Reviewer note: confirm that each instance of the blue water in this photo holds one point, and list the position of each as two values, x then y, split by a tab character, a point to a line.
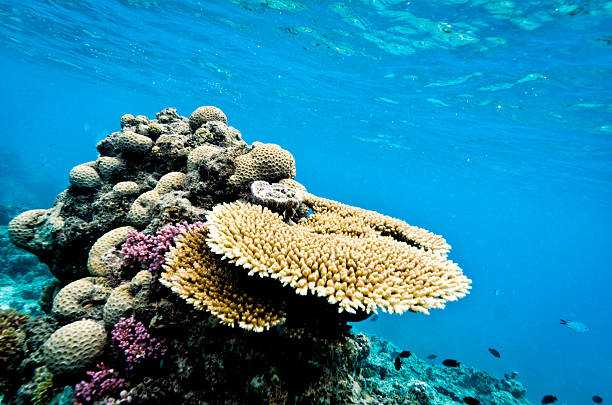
489	122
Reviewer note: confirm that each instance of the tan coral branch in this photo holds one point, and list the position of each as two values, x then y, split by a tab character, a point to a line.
367	271
194	273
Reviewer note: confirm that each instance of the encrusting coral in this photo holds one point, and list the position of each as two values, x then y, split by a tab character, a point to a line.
177	243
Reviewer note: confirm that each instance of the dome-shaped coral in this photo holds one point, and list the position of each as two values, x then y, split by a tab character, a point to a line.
74	347
266	161
84	177
205	114
83	297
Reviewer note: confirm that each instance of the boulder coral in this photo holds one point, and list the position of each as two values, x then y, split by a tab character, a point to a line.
81	298
74	347
266	161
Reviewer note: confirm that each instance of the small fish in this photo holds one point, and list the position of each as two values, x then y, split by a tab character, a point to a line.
496	291
451	363
471	401
374	318
432	356
405	354
494	352
575	325
597	399
549	399
398	363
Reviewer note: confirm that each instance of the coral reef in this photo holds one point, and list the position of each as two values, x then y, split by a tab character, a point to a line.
193	269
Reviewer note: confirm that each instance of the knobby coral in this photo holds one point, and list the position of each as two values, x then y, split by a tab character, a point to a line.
104	382
148	250
132	337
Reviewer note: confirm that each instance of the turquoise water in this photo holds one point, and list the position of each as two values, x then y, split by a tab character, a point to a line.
489	122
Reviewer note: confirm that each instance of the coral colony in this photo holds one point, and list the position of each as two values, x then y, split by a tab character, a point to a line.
194	269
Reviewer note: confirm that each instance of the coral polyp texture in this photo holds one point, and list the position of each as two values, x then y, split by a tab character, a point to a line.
349	264
74	347
193	272
192	268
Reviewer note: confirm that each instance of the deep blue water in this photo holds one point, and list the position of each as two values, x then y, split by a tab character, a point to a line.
489	122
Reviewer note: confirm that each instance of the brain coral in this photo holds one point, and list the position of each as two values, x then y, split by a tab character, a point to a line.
126	188
84	176
80	298
74	347
356	269
266	161
132	143
205	114
140	211
22	228
170	182
201	153
108	241
194	273
126	297
34	230
107	166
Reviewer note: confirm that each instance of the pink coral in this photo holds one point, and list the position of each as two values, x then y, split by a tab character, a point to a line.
104	382
147	250
132	337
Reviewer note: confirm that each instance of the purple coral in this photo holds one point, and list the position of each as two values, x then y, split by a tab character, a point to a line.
132	337
148	250
104	382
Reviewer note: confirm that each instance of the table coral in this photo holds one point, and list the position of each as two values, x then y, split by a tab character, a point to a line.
355	269
194	273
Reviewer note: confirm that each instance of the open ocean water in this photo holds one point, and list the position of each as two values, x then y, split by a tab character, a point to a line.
489	122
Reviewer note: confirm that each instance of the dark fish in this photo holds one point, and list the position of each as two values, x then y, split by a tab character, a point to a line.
405	354
597	399
494	352
451	363
398	363
431	356
374	318
471	401
549	399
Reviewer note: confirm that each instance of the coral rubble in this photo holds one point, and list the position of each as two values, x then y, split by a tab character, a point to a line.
194	269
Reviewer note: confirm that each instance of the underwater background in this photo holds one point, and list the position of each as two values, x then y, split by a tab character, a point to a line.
489	122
